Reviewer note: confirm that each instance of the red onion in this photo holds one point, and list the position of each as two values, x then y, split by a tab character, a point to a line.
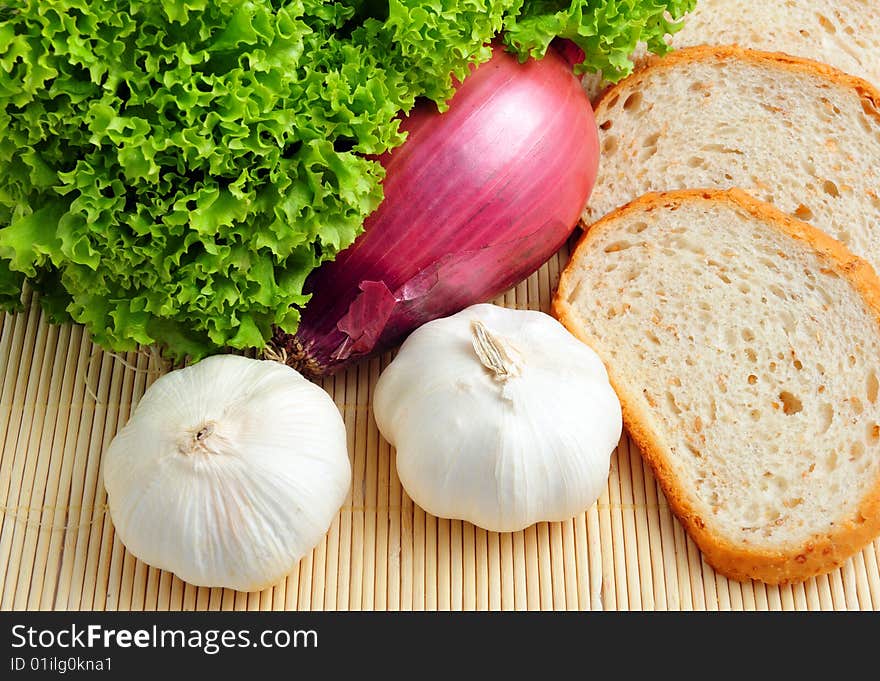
476	200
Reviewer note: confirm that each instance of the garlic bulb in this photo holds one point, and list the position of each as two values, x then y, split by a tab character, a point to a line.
228	472
500	417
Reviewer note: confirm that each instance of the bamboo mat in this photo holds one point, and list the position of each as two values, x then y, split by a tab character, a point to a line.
62	399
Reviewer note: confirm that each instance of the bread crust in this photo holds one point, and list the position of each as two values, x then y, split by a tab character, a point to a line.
720	53
821	552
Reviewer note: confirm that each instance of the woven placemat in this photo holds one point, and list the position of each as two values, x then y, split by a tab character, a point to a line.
62	399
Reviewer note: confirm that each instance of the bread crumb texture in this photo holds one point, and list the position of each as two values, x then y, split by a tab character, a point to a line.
842	33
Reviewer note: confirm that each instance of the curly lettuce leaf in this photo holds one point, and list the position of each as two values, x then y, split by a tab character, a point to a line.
182	165
607	31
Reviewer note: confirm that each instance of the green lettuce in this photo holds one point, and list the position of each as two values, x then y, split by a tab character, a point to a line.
172	170
606	30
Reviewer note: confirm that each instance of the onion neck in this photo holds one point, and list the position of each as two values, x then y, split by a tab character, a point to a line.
495	353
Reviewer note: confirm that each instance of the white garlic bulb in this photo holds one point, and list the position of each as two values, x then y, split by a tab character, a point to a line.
500	417
228	472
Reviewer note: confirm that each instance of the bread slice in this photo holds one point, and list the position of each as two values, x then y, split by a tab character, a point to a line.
792	132
842	33
744	346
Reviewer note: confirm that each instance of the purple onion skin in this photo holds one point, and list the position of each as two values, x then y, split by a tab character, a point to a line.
476	199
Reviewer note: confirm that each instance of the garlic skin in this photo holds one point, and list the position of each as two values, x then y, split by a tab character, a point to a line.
500	417
228	472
